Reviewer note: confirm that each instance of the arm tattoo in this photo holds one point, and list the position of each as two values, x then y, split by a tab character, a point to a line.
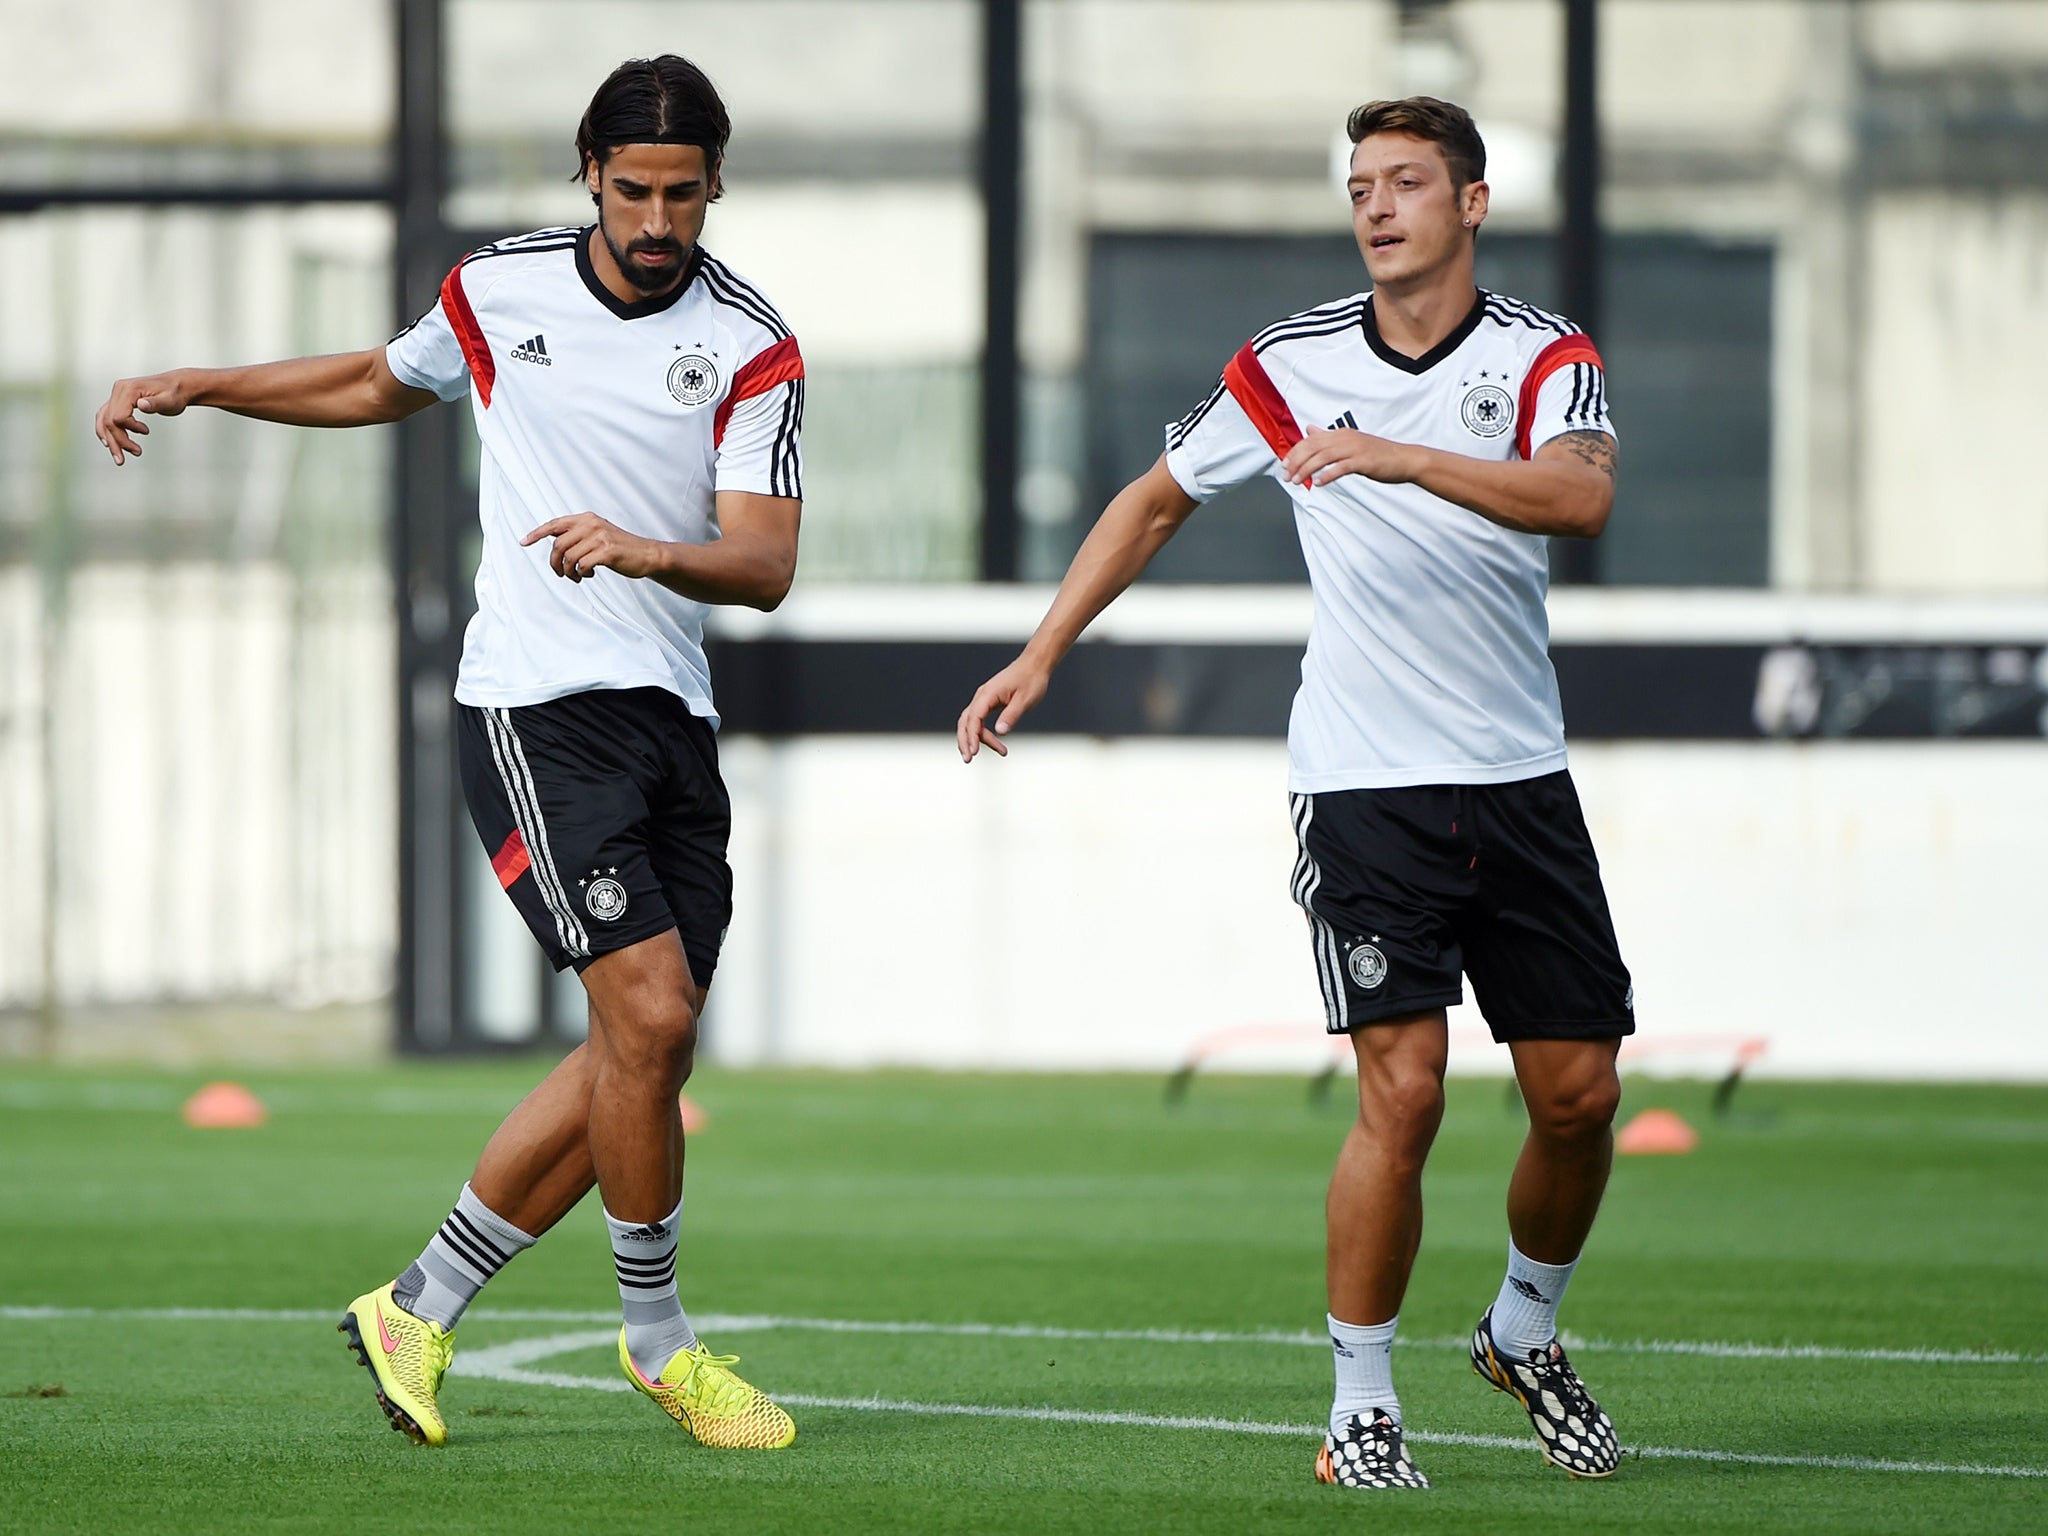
1596	448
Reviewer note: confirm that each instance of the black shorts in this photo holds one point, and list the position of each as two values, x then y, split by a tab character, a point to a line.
605	819
1405	888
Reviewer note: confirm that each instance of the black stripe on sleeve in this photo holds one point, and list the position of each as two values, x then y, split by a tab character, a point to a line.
1510	310
741	285
1337	316
729	290
1327	325
778	450
792	447
535	249
1177	434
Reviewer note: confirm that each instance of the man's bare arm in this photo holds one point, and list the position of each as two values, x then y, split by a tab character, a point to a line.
1567	490
343	389
752	563
1132	529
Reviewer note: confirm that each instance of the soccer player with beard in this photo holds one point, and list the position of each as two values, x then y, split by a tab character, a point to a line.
1432	437
638	406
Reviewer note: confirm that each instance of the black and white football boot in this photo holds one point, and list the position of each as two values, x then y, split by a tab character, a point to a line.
1368	1455
1572	1430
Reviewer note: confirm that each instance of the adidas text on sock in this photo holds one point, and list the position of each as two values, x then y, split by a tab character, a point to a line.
644	1257
1363	1353
1525	1312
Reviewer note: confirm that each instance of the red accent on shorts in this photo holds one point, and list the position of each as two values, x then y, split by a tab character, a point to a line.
1561	353
512	860
475	350
1246	379
779	364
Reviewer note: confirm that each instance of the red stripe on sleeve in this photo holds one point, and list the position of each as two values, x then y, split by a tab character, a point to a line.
1249	385
779	364
1561	353
512	860
475	350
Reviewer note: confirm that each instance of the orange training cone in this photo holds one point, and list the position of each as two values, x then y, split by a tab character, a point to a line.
694	1118
1656	1130
225	1105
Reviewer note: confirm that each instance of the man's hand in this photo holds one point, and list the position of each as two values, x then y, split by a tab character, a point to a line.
119	422
1014	690
586	542
1324	455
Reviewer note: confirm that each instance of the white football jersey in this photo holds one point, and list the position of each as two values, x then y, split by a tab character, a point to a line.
640	412
1428	654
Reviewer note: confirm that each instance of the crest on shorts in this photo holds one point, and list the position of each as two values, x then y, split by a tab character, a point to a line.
604	896
693	378
1368	967
1488	410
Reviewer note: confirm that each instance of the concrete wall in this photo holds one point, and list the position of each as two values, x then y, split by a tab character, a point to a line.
196	801
1869	910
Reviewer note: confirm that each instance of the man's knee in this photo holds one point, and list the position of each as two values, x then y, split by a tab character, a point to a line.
1578	1108
1401	1109
659	1035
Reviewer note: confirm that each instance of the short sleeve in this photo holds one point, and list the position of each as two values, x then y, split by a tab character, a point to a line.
1566	391
427	355
758	429
1216	446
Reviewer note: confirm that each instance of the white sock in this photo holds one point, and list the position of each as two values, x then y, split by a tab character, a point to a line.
644	1255
1365	1371
474	1243
1525	1312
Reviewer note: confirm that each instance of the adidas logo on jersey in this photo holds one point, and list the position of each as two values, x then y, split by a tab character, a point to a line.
534	351
1346	421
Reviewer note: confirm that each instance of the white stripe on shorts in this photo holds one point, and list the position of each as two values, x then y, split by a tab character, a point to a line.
525	797
1308	875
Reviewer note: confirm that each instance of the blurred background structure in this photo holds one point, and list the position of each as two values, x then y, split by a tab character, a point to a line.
1806	671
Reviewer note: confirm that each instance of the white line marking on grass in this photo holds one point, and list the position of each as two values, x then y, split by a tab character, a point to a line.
1737	1351
748	1322
511	1362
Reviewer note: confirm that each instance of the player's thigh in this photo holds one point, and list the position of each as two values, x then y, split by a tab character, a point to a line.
1377	871
563	817
1540	944
689	828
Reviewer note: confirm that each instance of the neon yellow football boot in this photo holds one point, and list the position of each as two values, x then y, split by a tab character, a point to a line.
699	1391
406	1357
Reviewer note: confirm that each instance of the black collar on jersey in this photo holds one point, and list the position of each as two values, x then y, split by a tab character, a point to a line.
632	309
1371	326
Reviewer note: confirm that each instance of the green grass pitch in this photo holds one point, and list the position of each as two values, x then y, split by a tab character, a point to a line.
1850	1223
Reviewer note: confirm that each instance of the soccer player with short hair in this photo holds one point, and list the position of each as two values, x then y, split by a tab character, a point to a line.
638	405
1432	438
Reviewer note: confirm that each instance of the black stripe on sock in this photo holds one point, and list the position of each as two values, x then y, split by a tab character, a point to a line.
658	1266
484	1241
461	1247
